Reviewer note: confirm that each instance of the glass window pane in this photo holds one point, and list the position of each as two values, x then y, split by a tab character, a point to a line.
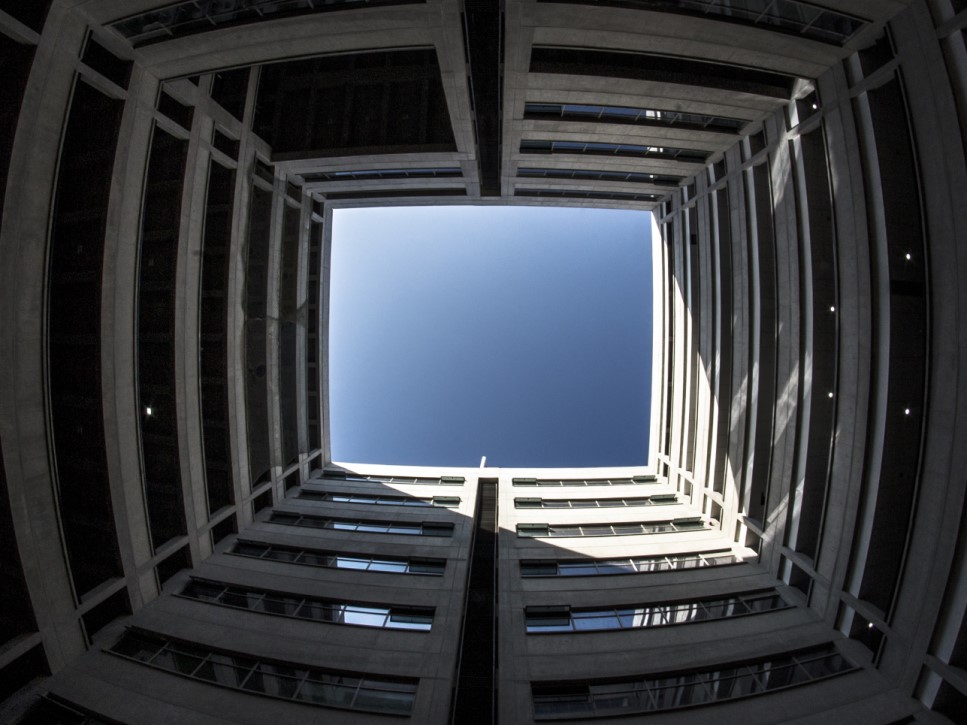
270	684
346	562
588	621
765	604
437	530
420	622
532	568
578	569
615	567
185	664
242	599
560	623
221	674
392	702
627	529
327	694
280	604
365	616
280	554
246	549
310	558
777	677
548	504
417	566
137	647
388	566
318	611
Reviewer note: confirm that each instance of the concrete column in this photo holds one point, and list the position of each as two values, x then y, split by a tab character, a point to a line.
325	286
272	334
238	429
305	229
188	276
119	339
786	423
740	322
680	372
23	267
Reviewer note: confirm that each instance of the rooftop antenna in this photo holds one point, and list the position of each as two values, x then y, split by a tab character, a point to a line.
483	461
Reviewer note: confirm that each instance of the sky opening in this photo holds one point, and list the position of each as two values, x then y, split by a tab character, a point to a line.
523	334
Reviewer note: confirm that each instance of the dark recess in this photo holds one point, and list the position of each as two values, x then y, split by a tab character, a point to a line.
31	13
98	58
900	465
74	336
160	224
474	694
312	339
255	301
98	617
213	336
483	25
166	569
28	666
291	317
362	103
663	69
229	88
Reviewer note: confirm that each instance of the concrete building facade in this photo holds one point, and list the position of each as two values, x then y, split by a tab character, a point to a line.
180	546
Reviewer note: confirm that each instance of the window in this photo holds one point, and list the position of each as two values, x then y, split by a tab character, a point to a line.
618	176
585	482
661	499
793	17
367	526
272	678
338	560
189	17
634	565
441	481
312	608
543	620
375	174
622	114
650	693
378	499
611	149
630	528
575	194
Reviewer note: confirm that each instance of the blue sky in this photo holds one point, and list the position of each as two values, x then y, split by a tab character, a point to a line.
518	333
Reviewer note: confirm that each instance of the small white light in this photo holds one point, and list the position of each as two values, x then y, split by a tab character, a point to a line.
830	394
909	256
815	106
906	411
147	411
832	308
870	625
